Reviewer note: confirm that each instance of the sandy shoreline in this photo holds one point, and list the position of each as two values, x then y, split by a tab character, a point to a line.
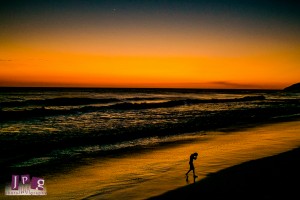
217	152
266	178
158	169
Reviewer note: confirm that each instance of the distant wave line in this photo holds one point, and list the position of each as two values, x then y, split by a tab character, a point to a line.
43	112
66	101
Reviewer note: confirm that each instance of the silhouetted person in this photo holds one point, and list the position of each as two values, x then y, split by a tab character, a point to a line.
192	158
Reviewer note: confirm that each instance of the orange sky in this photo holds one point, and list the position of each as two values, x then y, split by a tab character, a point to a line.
150	53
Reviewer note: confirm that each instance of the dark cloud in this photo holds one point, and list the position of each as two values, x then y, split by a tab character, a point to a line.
233	85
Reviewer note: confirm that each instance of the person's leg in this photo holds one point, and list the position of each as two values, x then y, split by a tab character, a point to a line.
194	173
188	172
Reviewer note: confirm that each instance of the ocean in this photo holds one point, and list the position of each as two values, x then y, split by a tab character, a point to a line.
42	125
92	143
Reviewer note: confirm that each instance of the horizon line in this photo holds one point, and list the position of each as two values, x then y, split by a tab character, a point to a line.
83	87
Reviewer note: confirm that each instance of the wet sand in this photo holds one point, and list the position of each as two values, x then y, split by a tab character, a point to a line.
157	169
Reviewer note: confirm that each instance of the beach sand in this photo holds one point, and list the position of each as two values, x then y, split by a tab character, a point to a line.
154	170
274	177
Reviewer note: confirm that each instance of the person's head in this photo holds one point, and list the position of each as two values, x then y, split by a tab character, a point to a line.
195	154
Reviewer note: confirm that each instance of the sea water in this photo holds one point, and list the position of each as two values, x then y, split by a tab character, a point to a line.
40	125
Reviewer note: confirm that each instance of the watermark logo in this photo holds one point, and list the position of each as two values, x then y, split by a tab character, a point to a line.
22	185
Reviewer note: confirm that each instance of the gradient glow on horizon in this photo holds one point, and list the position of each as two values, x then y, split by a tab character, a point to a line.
182	44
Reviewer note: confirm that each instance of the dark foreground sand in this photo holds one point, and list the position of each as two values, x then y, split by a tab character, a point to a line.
275	177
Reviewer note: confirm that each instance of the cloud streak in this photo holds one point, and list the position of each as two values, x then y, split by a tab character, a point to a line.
227	84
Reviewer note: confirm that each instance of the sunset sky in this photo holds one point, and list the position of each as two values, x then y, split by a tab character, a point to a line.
181	44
